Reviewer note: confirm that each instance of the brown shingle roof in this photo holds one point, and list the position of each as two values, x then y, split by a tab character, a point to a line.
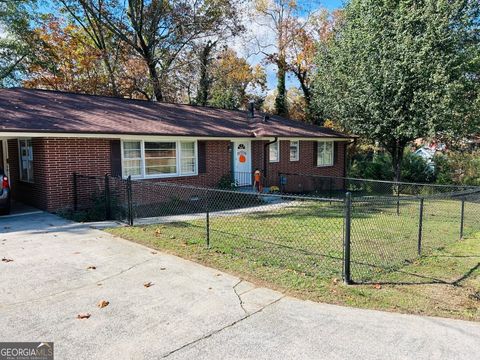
28	110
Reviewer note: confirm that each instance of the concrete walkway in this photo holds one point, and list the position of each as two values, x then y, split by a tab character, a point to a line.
189	312
214	214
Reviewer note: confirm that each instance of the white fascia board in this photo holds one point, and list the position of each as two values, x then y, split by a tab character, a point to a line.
12	135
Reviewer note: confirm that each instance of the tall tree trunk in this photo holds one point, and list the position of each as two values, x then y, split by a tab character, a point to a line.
281	99
157	88
204	83
111	75
307	95
397	156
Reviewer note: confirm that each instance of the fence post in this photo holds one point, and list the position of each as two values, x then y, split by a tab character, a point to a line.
108	205
207	213
398	199
330	189
347	238
420	228
129	201
75	194
462	219
282	180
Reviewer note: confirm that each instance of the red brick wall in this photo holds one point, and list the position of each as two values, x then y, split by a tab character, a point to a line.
305	165
56	159
218	164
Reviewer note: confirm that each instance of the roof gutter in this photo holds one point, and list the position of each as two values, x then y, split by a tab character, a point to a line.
265	160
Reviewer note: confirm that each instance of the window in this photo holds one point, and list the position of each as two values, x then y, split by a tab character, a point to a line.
132	158
188	158
325	153
159	158
294	150
274	152
26	159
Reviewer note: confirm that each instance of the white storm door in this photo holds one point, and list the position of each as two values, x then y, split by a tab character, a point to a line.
242	162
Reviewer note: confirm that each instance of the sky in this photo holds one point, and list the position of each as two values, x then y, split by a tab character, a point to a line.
256	59
271	69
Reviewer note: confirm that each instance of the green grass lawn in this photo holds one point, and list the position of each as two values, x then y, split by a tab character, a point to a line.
298	249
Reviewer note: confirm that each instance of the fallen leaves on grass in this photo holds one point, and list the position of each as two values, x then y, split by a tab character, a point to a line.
6	260
83	315
148	284
103	303
335	281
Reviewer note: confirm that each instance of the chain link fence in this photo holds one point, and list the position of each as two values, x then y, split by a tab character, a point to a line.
361	237
335	186
97	198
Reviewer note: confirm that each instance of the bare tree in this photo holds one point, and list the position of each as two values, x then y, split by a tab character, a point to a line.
103	39
307	35
158	30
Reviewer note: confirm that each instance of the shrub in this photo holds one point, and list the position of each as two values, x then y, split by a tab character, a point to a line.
416	169
225	183
274	189
370	166
462	168
379	167
96	211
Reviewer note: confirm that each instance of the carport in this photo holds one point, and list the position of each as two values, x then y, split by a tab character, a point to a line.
18	207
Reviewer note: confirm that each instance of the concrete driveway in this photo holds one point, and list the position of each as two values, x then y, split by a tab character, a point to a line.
189	312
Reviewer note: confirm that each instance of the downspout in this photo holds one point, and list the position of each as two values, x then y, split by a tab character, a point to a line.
265	148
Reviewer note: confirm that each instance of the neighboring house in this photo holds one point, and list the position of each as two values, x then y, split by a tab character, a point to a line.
47	136
426	153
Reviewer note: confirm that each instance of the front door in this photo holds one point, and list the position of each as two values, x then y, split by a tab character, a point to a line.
242	162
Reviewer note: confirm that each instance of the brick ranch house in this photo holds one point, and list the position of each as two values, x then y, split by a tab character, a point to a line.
46	136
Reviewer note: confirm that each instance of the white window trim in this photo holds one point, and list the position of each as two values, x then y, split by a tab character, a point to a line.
178	173
298	150
277	144
333	152
32	181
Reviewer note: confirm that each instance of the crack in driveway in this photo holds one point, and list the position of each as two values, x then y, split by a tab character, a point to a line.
78	287
210	334
239	296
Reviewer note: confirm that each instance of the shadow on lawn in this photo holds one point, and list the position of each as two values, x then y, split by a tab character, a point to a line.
245	239
426	280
